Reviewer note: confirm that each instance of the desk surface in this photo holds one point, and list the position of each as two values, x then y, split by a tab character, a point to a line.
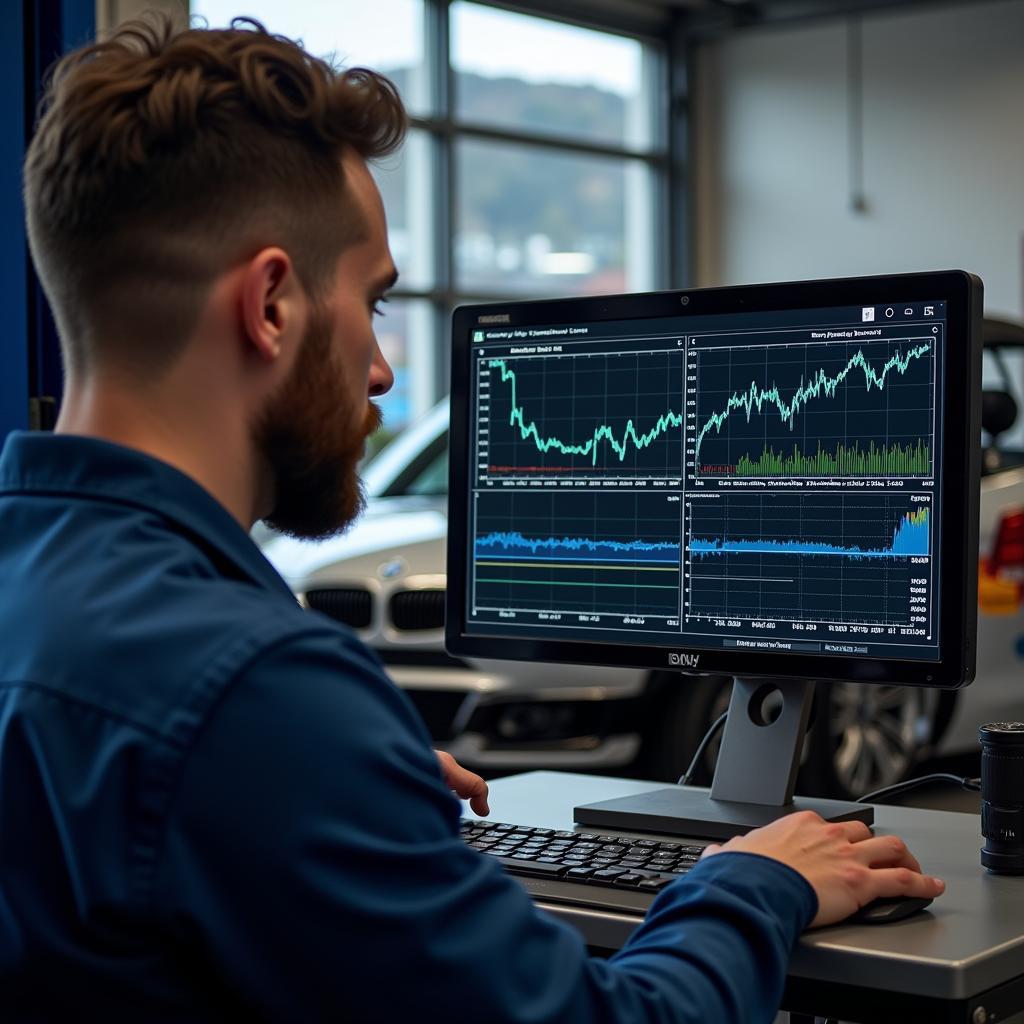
969	941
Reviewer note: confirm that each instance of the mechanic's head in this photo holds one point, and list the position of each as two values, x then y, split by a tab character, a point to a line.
175	173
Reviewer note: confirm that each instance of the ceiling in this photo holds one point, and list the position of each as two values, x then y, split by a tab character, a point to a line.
716	17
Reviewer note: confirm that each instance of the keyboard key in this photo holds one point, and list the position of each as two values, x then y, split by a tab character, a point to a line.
533	868
565	835
654	884
630	880
613	851
649	843
581	872
505	828
586	836
609	874
544	832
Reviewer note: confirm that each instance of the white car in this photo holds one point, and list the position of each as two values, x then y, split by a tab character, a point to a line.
386	580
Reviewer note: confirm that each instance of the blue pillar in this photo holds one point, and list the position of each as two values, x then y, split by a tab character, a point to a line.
13	255
34	34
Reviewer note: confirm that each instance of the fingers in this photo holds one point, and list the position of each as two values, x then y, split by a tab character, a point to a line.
710	850
885	852
464	783
478	801
903	882
855	831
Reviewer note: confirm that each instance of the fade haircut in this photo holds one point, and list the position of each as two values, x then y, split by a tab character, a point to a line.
162	158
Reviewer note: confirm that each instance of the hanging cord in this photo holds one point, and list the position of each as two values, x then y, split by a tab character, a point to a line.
684	779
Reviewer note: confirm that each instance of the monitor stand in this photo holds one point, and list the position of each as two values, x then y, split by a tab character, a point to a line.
754	778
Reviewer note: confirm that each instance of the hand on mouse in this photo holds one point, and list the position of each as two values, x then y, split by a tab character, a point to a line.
846	864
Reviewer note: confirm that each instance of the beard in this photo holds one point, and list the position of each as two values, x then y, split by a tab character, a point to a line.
311	445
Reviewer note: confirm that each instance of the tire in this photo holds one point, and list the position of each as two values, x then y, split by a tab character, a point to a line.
865	737
679	712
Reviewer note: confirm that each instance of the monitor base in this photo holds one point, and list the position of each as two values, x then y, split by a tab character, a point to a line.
687	812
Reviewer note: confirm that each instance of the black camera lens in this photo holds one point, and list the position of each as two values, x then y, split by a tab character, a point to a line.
1002	797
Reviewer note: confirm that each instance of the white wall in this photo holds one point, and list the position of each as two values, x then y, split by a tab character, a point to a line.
943	150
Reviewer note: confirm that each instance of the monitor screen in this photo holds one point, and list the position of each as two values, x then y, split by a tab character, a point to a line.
779	479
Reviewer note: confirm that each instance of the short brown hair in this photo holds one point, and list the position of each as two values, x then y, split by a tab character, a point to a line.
162	157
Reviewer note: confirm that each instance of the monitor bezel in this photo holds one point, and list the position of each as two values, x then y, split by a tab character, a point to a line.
961	291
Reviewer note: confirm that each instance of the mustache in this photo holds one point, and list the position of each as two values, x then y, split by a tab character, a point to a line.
373	420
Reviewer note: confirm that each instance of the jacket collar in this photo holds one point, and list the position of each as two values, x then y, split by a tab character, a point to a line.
88	468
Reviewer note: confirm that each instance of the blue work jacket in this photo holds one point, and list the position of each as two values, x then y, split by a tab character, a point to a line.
215	805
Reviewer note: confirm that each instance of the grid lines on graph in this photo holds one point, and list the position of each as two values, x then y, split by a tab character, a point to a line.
819	557
863	408
577	552
582	416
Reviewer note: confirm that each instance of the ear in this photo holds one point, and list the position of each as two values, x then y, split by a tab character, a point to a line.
272	302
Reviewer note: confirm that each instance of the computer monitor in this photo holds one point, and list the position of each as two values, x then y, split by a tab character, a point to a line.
778	483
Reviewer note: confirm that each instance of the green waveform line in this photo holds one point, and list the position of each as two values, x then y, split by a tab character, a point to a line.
894	460
601	433
756	398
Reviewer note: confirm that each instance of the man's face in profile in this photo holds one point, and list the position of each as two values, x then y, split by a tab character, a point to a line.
313	431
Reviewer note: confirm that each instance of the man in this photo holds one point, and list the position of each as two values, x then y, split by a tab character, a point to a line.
213	804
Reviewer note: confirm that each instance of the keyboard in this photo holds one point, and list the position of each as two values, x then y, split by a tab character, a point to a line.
607	871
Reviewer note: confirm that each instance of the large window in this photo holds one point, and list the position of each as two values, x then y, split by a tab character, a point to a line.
536	164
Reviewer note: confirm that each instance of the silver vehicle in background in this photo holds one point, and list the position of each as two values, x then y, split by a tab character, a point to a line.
386	580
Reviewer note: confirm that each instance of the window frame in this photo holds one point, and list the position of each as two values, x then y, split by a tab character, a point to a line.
443	131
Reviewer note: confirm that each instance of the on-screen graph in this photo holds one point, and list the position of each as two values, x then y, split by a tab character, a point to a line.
581	556
809	410
846	561
582	416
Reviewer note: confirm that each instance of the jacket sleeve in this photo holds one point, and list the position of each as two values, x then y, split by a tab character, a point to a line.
313	846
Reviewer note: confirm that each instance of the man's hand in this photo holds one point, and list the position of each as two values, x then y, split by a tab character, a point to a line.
464	783
845	864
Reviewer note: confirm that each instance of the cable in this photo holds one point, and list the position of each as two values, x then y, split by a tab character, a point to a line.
877	796
972	785
684	779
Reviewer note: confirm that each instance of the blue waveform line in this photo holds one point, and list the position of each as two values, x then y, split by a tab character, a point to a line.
910	538
756	398
513	545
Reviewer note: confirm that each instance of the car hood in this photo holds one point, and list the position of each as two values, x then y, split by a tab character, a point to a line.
402	526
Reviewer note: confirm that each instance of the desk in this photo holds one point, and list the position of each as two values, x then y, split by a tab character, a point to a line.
960	961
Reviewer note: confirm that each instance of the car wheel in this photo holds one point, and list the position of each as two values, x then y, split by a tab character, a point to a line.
865	737
679	712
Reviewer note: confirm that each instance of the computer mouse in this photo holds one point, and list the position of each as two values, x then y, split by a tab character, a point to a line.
889	909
